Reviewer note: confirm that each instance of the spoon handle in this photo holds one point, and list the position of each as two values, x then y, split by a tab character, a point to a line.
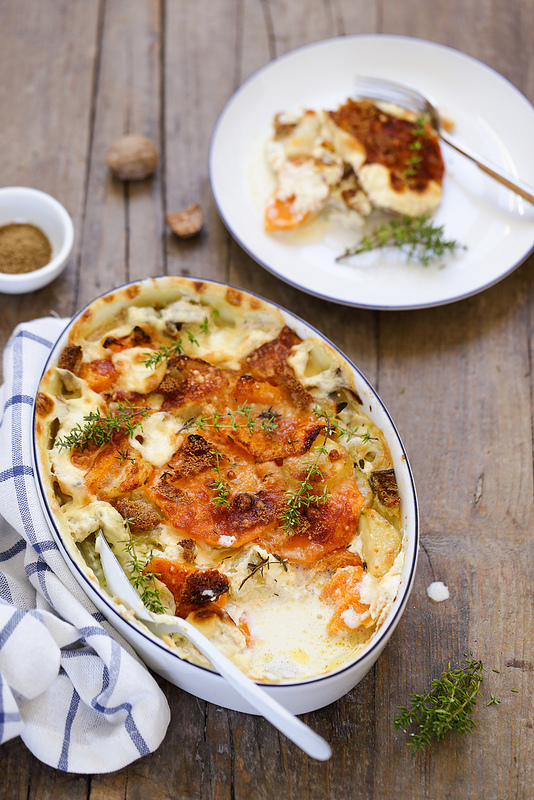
491	169
277	715
282	719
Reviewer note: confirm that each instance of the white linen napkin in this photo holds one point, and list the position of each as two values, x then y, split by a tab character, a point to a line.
70	686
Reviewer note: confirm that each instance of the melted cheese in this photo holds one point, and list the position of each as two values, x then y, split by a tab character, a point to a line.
354	159
204	480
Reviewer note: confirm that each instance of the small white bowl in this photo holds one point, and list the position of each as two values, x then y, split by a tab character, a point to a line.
21	204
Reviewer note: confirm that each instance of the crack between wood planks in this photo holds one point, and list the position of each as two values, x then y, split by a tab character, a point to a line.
239	34
92	122
232	756
379	16
479	490
427	554
202	761
337	17
269	28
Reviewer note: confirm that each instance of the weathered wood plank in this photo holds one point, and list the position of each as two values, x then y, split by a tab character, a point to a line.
46	59
123	224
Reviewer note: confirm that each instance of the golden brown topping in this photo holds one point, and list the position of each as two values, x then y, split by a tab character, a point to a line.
111	475
247	510
234	296
43	404
137	338
171	492
141	515
271	358
193	456
326	526
389	140
70	357
189	549
100	374
190	587
189	380
204	586
384	485
299	395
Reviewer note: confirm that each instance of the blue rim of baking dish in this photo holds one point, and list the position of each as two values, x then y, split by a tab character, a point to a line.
390	622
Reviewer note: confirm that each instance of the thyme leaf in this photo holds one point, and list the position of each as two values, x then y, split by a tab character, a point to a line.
98	429
304	497
342	432
447	706
419	133
222	490
417	237
142	575
230	420
163	353
259	566
157	357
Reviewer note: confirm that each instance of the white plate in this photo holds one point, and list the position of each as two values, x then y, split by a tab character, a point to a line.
491	117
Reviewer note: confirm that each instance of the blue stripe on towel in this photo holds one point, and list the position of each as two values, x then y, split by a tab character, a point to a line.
71	715
17	548
15	472
11	625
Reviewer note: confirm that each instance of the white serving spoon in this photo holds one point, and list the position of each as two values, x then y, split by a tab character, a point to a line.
299	733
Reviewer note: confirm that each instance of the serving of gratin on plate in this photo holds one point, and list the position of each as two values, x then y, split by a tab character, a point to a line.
351	160
244	473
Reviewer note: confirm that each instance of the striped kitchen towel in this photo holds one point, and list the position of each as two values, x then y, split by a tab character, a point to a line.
69	685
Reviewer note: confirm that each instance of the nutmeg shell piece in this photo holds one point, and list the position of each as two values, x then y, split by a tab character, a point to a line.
186	223
132	157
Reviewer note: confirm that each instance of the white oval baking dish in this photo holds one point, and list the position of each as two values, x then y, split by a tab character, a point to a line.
299	696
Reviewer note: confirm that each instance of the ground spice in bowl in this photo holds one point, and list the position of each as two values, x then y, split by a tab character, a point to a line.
23	248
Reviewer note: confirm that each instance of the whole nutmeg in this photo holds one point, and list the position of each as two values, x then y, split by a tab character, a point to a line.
187	222
132	157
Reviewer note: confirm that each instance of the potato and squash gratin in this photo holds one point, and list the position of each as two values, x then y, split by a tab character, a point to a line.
360	157
232	469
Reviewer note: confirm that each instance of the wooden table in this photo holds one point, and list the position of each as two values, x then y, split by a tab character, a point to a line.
456	379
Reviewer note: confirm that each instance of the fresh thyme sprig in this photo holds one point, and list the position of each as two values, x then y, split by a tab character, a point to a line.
243	417
259	566
124	455
98	429
447	706
304	496
417	237
162	354
348	432
142	576
419	133
222	490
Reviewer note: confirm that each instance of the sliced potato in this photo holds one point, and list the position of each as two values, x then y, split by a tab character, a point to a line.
380	542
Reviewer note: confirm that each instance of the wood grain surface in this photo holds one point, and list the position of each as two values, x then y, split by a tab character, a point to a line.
456	379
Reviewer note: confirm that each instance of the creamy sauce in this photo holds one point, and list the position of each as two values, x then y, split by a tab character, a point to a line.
275	621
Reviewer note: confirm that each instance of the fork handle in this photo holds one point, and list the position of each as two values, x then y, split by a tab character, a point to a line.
491	169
